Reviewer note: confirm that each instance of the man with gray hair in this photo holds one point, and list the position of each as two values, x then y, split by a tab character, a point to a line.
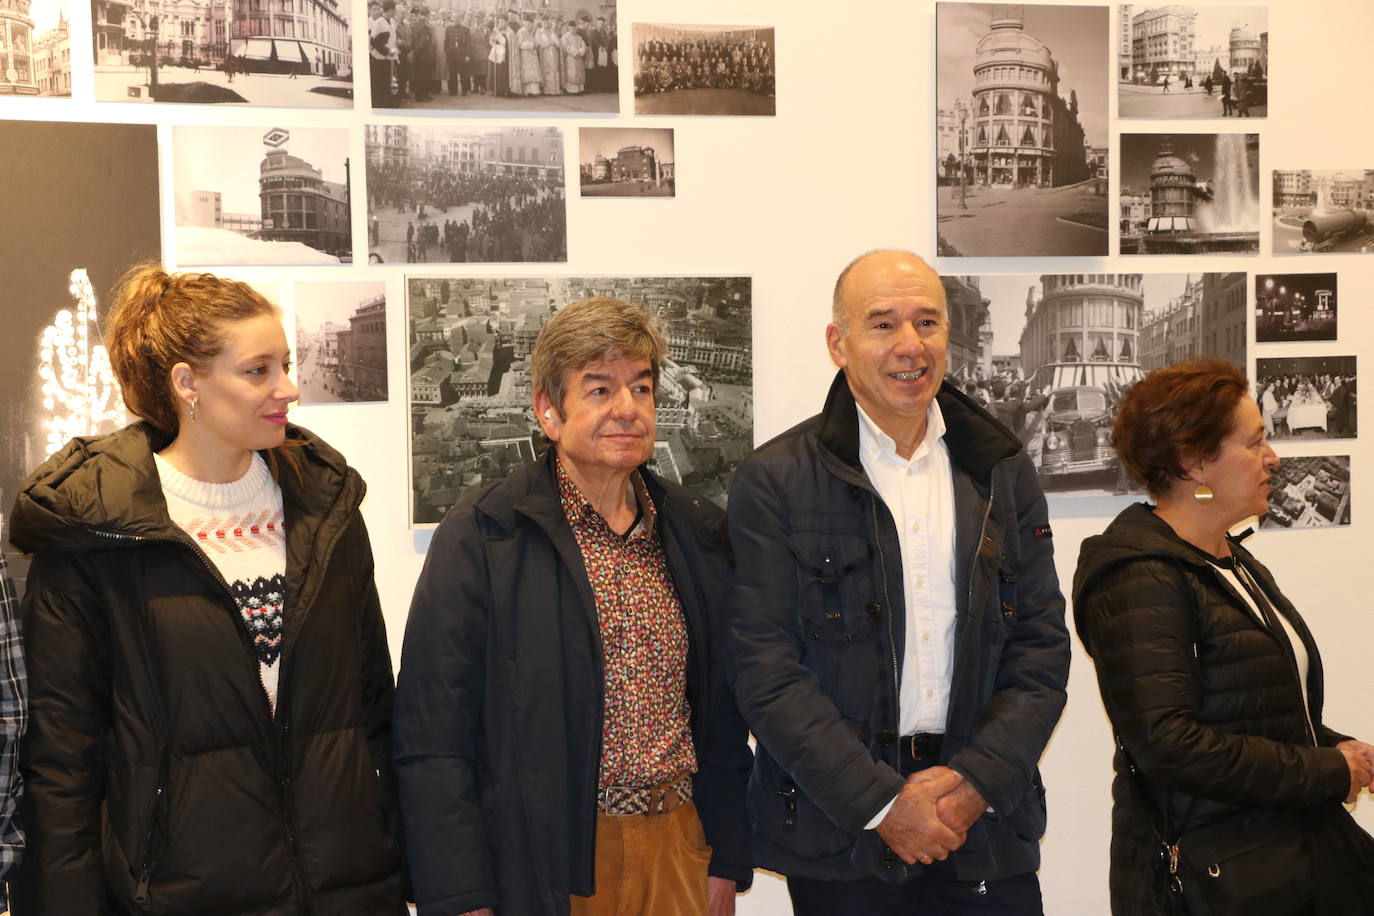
897	626
565	739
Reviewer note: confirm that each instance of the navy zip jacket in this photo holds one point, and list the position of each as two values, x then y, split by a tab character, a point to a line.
819	688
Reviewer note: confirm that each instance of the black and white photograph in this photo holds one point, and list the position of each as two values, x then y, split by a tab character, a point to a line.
1021	130
35	49
1052	355
704	69
341	341
559	55
60	264
261	195
1192	61
287	54
470	341
454	193
1309	492
626	162
1307	397
1189	193
1317	210
1295	307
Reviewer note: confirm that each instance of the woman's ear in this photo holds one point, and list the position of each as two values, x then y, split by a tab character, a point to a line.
181	380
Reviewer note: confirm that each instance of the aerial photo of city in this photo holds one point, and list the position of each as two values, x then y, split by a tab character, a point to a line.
469	341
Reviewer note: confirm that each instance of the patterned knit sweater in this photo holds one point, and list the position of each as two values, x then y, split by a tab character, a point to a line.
240	527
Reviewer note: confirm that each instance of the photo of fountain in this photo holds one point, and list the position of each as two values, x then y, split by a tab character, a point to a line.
1319	210
1189	193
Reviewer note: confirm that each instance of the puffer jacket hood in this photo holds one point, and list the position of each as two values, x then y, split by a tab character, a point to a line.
98	486
1134	535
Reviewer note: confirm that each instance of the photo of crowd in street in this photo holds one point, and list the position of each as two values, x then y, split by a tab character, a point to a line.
1295	307
464	55
704	70
470	339
254	195
457	193
35	49
340	341
1189	61
1021	130
289	54
1307	397
1052	356
626	162
1189	193
1317	210
1309	492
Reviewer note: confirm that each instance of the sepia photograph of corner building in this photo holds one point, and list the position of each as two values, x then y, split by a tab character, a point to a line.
288	53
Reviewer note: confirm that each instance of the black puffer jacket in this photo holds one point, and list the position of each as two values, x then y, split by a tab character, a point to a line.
157	780
1200	693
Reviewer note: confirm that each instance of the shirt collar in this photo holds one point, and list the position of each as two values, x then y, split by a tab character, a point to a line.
579	510
875	444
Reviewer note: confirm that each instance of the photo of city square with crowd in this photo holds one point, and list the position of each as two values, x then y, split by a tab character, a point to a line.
1052	356
704	70
1021	130
457	194
1307	397
288	54
470	339
561	55
1310	491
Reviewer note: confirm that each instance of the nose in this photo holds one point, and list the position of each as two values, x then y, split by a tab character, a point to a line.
287	390
623	404
909	342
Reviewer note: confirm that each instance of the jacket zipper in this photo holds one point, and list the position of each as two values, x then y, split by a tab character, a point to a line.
891	632
145	873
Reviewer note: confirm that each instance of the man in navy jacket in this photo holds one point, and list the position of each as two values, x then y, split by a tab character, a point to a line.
897	626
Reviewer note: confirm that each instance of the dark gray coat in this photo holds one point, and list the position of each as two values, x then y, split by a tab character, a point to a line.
819	689
499	700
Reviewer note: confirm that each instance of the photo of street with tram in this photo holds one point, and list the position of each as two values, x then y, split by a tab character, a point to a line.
1318	210
626	162
341	341
459	193
1189	193
255	195
35	49
287	54
1295	307
1307	397
1186	61
1051	356
1309	492
1021	130
470	339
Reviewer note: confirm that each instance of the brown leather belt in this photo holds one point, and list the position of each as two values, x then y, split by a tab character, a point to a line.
623	801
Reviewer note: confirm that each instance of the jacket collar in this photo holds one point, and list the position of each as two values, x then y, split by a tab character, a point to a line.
975	440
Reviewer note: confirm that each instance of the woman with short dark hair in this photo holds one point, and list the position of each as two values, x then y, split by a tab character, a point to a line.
1229	786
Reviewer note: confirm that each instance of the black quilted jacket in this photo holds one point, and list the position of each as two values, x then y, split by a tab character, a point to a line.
1200	694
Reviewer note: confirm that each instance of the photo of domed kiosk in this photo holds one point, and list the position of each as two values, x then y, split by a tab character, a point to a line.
1203	193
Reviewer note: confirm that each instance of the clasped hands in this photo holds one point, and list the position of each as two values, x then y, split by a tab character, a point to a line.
932	815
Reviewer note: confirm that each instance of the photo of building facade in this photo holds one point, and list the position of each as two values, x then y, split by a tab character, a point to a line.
341	341
1014	136
1185	61
35	48
626	162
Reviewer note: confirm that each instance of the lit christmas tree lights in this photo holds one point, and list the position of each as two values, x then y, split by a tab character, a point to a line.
78	388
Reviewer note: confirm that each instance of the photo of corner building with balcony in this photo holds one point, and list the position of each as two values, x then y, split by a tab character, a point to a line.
1051	356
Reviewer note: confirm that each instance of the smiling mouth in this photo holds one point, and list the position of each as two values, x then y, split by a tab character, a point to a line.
911	376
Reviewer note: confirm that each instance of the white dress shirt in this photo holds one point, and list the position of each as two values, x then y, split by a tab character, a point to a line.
919	493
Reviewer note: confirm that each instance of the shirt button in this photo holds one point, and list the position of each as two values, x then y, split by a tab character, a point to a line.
925	637
920	581
915	526
930	693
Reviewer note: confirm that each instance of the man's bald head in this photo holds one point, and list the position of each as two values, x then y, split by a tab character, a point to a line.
876	263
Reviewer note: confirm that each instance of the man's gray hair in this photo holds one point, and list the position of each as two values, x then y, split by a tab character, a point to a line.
590	330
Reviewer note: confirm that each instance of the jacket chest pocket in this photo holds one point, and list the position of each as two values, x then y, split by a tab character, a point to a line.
834	584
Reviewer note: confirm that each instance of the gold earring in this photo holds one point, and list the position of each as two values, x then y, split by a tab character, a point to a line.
193	411
1202	493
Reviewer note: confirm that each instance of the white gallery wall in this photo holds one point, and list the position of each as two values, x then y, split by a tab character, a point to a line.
847	165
